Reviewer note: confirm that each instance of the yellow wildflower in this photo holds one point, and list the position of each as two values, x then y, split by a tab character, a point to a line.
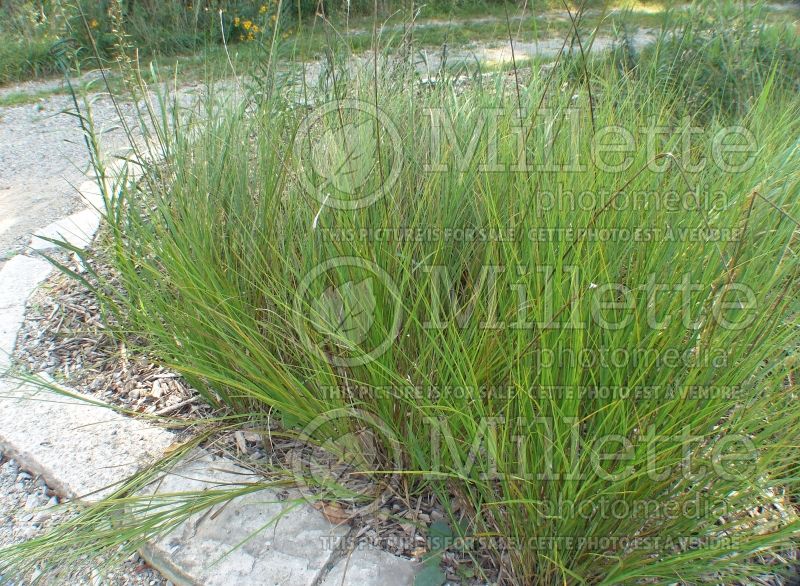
263	9
247	24
274	17
236	21
93	23
256	28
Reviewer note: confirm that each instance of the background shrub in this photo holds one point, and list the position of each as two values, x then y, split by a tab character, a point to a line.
717	58
28	30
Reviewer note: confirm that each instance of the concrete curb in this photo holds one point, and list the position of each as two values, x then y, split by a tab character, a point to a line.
82	449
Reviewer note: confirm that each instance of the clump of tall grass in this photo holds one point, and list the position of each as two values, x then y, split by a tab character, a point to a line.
568	318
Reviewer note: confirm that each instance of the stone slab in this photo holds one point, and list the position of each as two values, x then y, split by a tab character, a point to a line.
10	319
77	230
368	566
254	540
18	279
79	448
91	194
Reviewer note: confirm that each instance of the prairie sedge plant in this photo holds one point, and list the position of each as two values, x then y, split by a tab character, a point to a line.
576	328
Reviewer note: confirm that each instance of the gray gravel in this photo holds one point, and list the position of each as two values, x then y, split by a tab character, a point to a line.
28	507
42	156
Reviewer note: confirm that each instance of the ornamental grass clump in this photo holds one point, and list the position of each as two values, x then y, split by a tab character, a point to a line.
569	316
576	328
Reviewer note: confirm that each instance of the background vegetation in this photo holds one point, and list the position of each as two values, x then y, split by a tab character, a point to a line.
41	36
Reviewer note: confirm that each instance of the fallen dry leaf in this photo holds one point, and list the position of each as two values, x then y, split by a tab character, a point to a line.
333	512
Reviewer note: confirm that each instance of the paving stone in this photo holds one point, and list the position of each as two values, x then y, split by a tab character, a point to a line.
18	278
80	449
77	230
91	194
256	539
10	318
368	566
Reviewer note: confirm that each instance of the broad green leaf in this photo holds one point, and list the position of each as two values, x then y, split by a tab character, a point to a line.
440	536
431	574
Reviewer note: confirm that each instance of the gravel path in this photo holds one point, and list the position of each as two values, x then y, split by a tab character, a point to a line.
42	156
